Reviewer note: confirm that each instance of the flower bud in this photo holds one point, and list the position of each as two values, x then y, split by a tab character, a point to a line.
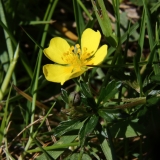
75	98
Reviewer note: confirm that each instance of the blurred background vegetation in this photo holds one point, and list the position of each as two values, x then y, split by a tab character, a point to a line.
117	116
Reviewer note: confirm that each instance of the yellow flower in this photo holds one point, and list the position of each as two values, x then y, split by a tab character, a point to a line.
72	61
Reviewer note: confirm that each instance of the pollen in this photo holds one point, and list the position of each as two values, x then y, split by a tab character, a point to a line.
76	57
77	46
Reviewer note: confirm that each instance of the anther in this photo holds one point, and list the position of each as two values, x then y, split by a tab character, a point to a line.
77	46
71	48
78	51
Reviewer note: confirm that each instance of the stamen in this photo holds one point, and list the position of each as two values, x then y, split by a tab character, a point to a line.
77	46
71	49
77	49
77	58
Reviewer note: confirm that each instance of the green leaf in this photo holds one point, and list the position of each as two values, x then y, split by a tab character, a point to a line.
151	101
23	57
156	78
89	102
87	128
142	111
109	91
137	57
79	18
152	55
64	96
58	151
86	90
104	22
46	154
109	117
9	73
87	97
67	126
85	9
106	148
76	156
155	7
3	126
152	43
117	15
124	37
137	2
125	129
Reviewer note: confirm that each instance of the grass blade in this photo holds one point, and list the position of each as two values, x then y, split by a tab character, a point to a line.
78	17
9	73
151	37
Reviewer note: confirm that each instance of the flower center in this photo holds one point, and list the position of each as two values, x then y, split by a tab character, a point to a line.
77	57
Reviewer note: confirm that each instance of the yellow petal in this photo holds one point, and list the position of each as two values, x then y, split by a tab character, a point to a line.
90	39
57	47
99	56
60	74
57	73
77	74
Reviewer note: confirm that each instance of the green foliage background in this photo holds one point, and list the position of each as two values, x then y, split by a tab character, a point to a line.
111	112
